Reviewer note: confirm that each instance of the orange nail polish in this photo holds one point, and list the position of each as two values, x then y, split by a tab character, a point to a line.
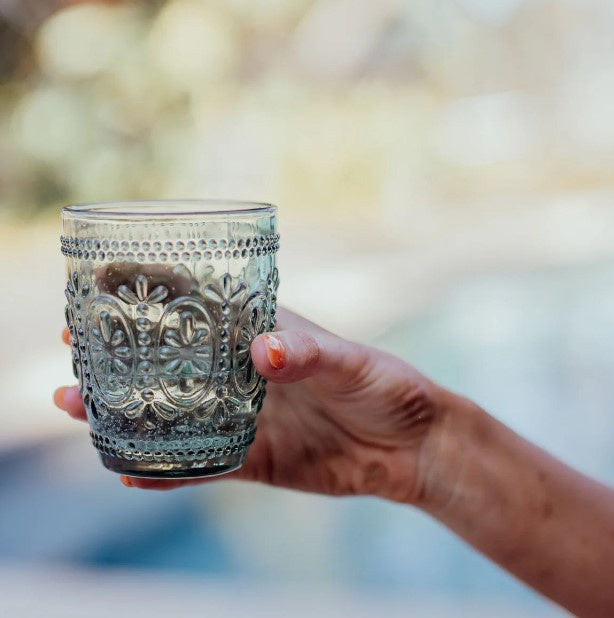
66	336
275	352
58	397
126	480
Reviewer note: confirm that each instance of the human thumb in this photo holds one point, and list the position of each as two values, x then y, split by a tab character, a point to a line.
289	356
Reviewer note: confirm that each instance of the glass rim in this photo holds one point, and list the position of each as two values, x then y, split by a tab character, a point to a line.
168	208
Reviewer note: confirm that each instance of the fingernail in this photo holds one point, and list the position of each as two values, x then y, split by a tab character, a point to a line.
275	351
58	397
66	336
126	480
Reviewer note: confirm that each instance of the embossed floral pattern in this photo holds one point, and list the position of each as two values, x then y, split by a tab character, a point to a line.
74	344
144	409
272	285
225	293
219	408
226	296
252	326
109	350
190	355
144	301
184	352
141	297
253	320
76	292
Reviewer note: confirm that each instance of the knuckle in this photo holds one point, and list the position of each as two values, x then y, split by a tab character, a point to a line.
311	350
415	411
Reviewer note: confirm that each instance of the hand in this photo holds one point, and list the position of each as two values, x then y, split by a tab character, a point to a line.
339	418
342	418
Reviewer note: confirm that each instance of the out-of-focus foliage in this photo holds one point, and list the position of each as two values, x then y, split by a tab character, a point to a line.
383	110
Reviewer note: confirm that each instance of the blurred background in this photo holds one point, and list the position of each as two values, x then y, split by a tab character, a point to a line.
444	172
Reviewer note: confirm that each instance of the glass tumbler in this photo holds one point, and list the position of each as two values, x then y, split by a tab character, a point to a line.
164	300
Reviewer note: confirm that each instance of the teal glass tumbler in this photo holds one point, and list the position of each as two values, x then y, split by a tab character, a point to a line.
164	300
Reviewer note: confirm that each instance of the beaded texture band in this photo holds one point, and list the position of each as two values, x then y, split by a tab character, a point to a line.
168	250
176	450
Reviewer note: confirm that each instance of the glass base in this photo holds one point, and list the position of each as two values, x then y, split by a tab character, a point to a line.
174	470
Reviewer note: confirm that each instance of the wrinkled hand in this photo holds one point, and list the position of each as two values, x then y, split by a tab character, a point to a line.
339	418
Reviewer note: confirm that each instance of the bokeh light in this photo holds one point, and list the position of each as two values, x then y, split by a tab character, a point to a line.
444	176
